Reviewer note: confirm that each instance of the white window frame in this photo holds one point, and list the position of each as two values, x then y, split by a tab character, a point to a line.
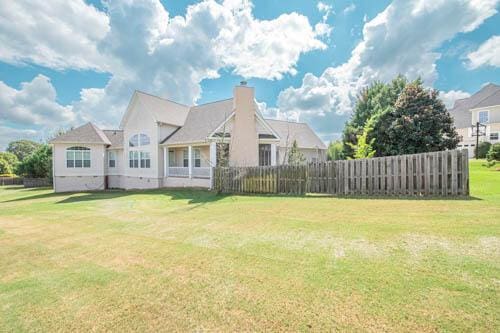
196	158
497	134
111	158
487	116
171	158
141	139
185	158
79	154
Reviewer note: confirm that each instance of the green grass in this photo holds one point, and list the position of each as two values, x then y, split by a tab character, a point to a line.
190	260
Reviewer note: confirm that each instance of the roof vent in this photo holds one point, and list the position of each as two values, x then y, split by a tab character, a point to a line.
243	83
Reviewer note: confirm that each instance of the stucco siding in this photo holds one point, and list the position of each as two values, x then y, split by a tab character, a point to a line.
114	181
128	182
186	182
78	183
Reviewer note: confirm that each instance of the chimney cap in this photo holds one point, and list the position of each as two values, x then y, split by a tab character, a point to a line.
243	83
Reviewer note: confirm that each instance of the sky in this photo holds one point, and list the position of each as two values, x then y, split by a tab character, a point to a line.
66	62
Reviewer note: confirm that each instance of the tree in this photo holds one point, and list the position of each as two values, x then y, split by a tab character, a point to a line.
38	164
8	163
374	101
295	157
335	151
364	148
22	148
419	123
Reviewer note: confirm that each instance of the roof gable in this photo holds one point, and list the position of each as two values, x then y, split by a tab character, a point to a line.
160	109
201	121
88	133
115	137
301	132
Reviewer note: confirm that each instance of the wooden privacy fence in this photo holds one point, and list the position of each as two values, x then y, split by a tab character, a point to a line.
443	173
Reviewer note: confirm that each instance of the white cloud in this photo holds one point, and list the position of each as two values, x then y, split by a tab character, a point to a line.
8	134
143	48
34	104
62	34
322	28
401	39
449	97
349	9
488	54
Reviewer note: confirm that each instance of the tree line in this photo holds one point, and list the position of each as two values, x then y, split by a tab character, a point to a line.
26	158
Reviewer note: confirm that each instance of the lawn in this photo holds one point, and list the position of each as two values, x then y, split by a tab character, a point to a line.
177	260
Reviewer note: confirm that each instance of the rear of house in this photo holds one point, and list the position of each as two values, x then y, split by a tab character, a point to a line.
484	108
161	143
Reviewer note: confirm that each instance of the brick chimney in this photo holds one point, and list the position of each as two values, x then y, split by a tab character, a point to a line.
244	147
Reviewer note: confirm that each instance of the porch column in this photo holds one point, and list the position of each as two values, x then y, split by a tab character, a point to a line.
273	154
165	161
213	162
190	162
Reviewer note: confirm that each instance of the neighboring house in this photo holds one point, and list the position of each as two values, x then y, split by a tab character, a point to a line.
161	143
482	107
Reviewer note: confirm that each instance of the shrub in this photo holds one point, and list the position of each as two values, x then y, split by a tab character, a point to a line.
494	153
483	149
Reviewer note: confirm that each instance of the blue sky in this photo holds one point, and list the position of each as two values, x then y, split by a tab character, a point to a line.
77	61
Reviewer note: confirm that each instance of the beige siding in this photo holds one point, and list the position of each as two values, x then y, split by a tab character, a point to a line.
97	160
141	121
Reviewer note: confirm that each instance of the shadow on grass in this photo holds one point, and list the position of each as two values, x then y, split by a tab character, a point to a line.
202	196
192	196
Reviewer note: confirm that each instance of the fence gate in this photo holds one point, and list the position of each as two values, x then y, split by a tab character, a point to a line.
443	173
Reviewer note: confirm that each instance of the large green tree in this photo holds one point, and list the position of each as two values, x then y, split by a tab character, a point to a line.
22	148
419	123
38	164
373	101
400	117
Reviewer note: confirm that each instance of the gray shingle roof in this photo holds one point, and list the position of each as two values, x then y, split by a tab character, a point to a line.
290	131
88	133
492	100
460	110
201	121
115	137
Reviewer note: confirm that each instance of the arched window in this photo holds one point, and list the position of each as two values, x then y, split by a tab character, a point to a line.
138	140
78	157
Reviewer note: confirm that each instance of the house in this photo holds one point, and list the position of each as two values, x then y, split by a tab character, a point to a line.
482	107
161	143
